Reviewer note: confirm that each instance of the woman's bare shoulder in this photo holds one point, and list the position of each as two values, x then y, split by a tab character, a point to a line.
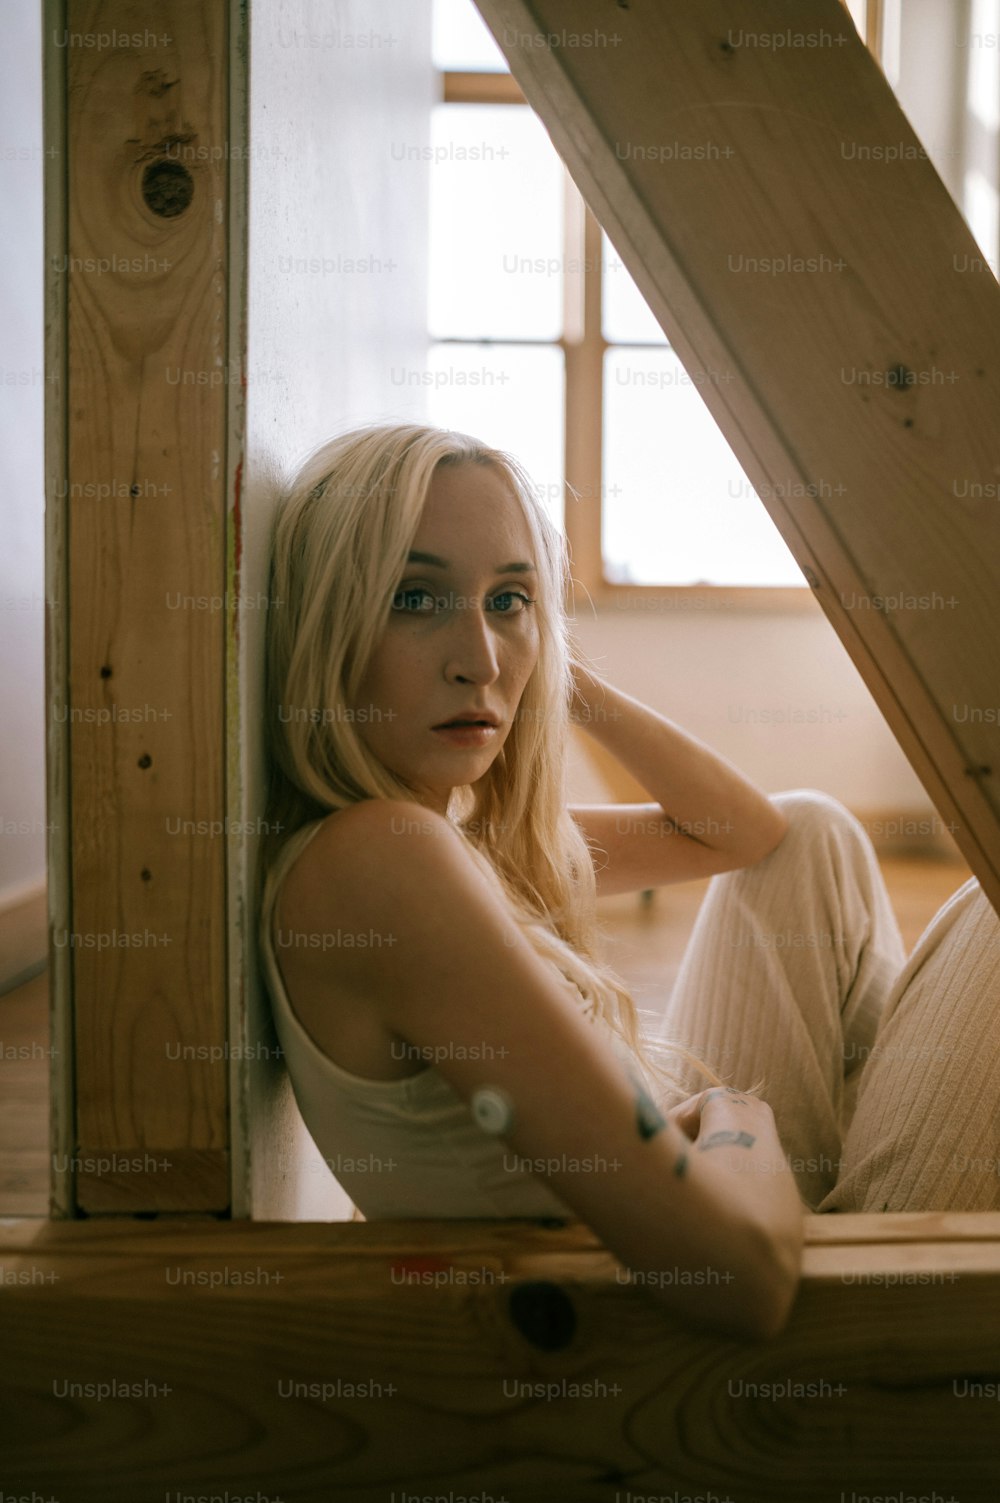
346	862
319	958
374	819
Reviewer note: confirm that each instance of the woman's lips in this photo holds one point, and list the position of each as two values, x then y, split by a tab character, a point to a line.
467	735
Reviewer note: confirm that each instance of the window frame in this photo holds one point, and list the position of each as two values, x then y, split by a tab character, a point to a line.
583	347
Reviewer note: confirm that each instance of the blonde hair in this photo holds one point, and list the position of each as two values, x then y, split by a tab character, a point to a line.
340	537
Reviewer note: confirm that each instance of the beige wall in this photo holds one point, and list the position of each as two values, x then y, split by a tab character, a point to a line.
776	694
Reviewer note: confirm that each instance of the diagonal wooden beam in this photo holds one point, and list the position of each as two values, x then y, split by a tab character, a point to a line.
759	179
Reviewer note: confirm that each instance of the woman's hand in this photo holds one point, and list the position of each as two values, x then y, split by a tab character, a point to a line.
725	1115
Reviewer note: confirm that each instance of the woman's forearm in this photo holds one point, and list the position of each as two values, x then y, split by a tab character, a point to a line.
701	793
759	1213
759	1258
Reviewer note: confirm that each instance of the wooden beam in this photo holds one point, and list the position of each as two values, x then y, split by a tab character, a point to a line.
480	88
58	854
331	1361
875	27
136	511
787	229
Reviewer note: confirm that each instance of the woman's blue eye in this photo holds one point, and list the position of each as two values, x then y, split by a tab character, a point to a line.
408	595
403	600
513	595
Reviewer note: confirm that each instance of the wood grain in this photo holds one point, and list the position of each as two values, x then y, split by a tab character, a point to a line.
870	1388
143	506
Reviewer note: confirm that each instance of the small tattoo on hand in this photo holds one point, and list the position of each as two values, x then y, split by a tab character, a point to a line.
736	1139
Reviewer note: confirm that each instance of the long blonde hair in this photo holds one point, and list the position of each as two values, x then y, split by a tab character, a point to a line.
340	537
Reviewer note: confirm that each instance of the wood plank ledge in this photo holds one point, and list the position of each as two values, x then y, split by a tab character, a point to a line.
411	1340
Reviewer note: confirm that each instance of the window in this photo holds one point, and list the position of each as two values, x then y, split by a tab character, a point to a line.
543	345
496	366
981	200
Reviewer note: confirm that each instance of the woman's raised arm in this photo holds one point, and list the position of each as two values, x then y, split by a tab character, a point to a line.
709	818
699	1205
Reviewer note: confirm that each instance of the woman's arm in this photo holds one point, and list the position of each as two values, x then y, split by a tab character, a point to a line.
458	978
710	818
740	1134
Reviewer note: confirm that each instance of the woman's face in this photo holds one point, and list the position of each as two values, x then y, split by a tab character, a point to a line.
460	639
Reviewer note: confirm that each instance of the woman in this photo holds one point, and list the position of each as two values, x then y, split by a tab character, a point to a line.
427	903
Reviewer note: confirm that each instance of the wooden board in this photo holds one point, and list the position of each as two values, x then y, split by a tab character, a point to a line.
829	302
58	854
136	514
472	1356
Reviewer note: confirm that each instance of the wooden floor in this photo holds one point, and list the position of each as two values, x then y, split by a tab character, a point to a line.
646	939
25	1067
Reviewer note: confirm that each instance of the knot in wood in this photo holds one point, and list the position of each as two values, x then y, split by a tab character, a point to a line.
544	1315
167	188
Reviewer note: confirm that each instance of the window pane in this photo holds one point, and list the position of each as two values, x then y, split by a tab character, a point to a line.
678	508
859	14
462	40
984	93
625	317
496	215
982	213
892	25
510	396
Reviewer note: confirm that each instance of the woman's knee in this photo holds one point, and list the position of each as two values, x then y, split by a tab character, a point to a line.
813	815
811	806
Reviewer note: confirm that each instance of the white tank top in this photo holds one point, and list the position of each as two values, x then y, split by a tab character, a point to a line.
407	1148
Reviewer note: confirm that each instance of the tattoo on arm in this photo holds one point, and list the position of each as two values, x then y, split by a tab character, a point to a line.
737	1139
648	1116
735	1096
650	1120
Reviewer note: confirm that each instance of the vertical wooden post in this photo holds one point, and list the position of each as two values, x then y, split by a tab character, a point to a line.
135	685
62	1095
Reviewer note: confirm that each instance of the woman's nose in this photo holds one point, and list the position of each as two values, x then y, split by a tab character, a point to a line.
472	646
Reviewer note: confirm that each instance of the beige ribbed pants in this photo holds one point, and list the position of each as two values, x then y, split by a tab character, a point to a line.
883	1073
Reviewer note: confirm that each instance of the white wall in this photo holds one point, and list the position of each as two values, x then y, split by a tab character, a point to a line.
776	694
22	495
333	85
